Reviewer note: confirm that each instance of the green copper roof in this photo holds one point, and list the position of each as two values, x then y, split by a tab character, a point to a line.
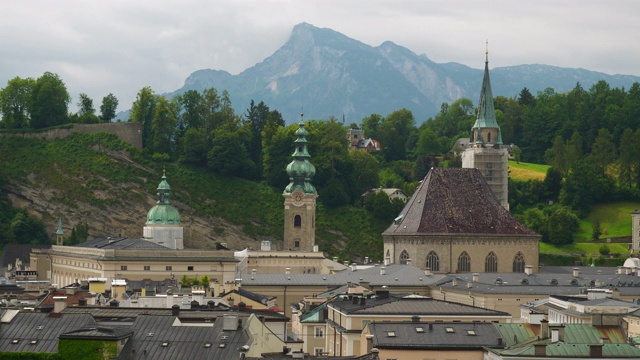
163	213
59	231
301	170
486	112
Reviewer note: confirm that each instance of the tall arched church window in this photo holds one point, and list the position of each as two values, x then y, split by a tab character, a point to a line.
433	262
518	263
297	221
491	263
404	257
489	137
464	262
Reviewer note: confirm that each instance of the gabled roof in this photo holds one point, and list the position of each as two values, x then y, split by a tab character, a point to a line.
412	306
455	201
259	298
396	275
38	332
433	336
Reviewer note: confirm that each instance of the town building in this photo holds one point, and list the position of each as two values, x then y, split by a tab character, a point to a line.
358	141
485	151
453	223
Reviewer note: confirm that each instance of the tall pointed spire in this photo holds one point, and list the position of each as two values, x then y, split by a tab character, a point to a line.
486	118
59	232
300	169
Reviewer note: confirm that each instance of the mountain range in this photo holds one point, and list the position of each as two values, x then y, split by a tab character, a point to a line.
325	74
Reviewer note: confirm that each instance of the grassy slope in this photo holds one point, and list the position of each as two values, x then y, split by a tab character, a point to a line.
615	218
527	171
77	166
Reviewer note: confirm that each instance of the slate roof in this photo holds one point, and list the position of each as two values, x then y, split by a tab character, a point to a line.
552	281
259	298
456	201
98	333
121	243
413	306
42	328
183	342
433	336
11	252
518	333
396	275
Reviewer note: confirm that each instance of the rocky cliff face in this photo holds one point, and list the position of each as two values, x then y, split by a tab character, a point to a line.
121	213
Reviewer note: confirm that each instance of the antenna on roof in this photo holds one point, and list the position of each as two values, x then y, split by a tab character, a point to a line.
486	51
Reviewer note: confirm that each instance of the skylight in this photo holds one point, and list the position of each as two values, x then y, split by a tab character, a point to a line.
419	329
471	332
450	330
391	333
165	344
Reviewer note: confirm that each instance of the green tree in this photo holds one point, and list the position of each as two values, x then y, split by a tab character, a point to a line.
142	111
163	126
193	110
365	171
185	281
561	225
395	131
15	101
596	230
86	110
194	147
228	154
108	108
205	281
603	151
277	147
604	250
371	125
49	101
628	159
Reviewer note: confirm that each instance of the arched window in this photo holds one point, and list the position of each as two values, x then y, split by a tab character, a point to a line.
489	137
404	257
433	262
464	262
491	263
297	221
518	263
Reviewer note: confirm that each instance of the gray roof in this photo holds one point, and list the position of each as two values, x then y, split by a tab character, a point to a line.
121	243
188	343
558	282
42	328
412	306
396	275
456	201
113	312
434	336
98	333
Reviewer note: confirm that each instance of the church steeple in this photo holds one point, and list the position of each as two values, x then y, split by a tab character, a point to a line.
300	198
486	129
163	220
300	169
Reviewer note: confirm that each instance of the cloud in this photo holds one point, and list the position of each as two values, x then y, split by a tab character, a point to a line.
101	47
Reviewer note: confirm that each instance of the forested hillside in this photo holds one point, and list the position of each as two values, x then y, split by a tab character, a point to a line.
221	159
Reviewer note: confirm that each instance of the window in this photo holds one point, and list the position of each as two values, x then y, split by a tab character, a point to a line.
147	267
491	263
404	257
318	332
318	351
169	268
123	267
296	243
297	221
464	262
189	268
518	263
433	262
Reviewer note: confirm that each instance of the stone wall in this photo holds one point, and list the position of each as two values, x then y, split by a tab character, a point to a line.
128	132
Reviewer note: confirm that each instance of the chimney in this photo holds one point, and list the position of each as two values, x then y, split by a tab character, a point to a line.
316	248
415	319
500	341
383	270
242	306
430	326
476	277
409	261
355	300
528	269
169	298
175	310
366	259
555	335
254	271
353	266
427	271
59	303
82	302
544	329
211	304
454	282
387	260
195	304
469	285
114	303
369	342
335	258
287	271
382	294
363	301
540	350
576	272
595	351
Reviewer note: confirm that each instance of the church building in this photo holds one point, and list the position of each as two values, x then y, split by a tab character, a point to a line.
300	199
485	151
163	220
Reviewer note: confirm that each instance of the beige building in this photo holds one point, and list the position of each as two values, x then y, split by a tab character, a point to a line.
454	224
347	318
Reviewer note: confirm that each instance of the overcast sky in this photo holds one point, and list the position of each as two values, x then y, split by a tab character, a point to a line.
102	47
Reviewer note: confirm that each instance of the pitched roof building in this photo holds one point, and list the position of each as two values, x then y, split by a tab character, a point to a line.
454	223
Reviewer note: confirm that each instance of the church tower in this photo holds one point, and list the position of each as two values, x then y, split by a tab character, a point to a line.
485	151
300	198
59	233
163	220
